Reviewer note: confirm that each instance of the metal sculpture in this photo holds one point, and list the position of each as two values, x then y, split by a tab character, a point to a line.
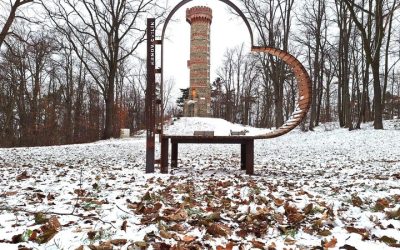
247	142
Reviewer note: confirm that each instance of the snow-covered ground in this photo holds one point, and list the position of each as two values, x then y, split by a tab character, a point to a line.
325	189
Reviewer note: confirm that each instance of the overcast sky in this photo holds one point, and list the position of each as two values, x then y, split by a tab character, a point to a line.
227	31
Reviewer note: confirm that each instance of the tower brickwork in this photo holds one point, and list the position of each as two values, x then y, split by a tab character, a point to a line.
199	102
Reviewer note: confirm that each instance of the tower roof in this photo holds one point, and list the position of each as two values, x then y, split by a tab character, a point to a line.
200	13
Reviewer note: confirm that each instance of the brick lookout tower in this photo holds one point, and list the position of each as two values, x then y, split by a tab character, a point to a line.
199	100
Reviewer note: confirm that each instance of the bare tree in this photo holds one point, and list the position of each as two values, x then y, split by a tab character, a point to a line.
272	19
380	13
109	32
11	17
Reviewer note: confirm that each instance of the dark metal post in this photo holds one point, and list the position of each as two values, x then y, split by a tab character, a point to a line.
250	157
164	155
174	154
243	156
150	95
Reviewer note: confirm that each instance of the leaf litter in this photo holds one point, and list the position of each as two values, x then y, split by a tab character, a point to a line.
322	190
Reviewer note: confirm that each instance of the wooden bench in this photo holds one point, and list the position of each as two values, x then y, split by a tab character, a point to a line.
246	149
203	133
243	132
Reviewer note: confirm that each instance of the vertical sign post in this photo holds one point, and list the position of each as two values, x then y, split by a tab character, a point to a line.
150	95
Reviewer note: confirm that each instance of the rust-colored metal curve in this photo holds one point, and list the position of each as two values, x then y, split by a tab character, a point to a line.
303	79
304	85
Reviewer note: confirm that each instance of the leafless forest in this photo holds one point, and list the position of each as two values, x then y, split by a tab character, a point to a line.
71	72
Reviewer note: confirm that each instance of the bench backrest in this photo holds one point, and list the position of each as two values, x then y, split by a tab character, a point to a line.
203	133
243	132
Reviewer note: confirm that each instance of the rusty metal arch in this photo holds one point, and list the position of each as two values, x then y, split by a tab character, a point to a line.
304	85
302	77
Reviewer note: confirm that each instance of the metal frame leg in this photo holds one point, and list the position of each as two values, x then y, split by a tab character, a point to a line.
164	156
249	157
174	154
243	156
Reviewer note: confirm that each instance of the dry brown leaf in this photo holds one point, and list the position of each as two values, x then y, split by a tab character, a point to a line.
217	229
307	209
257	244
6	194
152	209
91	235
331	243
388	240
188	238
180	215
166	235
381	204
356	200
394	214
103	246
289	241
177	228
361	231
54	223
228	246
278	202
119	242
279	218
325	232
290	209
124	225
272	246
80	192
295	218
24	175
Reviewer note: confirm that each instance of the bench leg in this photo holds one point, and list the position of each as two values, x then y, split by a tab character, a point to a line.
250	157
174	154
243	156
164	155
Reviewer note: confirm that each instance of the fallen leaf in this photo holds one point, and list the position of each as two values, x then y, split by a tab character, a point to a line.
118	242
124	225
180	215
188	238
394	214
217	229
228	246
295	218
289	241
278	202
325	232
54	223
140	244
6	194
177	228
257	244
40	218
307	209
388	240
80	192
381	204
272	246
361	231
24	175
331	243
166	235
103	246
356	200
348	247
91	235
